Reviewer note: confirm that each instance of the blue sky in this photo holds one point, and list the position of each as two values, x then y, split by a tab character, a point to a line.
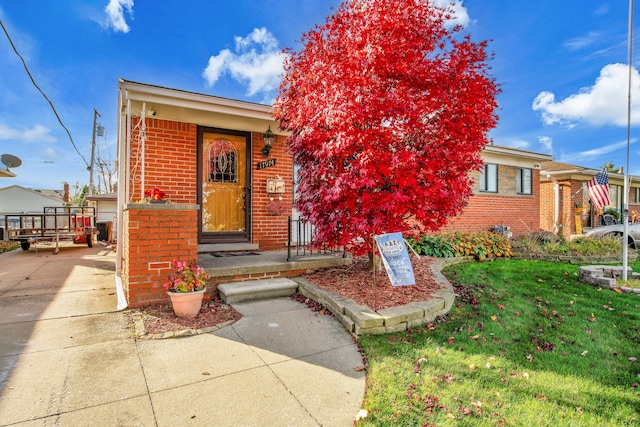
561	66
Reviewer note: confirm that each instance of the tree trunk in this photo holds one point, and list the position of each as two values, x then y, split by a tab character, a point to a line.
375	262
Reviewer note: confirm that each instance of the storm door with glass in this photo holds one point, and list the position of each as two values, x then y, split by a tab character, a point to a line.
224	180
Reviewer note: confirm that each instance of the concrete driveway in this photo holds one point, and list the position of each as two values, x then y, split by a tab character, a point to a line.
67	357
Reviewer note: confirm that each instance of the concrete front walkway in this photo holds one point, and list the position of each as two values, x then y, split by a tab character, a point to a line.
67	357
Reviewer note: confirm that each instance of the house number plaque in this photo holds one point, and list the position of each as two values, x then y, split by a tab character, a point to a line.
266	164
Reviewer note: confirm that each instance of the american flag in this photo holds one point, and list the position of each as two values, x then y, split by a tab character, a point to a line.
598	189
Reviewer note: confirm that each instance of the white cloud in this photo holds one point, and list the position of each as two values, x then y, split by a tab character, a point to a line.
547	143
577	43
37	133
596	153
601	104
518	143
256	62
460	14
115	14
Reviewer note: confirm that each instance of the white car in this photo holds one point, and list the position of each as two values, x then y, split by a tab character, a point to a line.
616	230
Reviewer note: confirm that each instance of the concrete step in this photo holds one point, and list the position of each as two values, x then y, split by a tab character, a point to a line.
253	290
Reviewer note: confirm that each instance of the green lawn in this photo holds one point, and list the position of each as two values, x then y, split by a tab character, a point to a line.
526	344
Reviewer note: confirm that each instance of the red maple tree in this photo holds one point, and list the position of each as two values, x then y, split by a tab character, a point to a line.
388	106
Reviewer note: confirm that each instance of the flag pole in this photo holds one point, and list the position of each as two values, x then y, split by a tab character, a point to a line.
625	196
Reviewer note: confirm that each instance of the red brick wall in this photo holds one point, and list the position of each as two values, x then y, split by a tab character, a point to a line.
271	211
486	210
154	236
170	160
171	165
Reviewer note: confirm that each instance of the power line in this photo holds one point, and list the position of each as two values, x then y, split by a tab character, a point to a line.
43	94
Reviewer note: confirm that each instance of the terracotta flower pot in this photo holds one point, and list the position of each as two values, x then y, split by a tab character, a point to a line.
187	304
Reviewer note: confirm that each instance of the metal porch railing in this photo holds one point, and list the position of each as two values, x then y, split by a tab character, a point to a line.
300	236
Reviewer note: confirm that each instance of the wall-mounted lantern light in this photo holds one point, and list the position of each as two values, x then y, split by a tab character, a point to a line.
268	138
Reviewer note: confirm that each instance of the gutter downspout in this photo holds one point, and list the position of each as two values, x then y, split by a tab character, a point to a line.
556	207
123	135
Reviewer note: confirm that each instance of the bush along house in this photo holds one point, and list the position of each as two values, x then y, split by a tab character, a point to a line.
222	172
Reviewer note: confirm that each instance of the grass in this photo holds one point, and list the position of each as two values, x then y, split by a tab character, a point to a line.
525	344
6	246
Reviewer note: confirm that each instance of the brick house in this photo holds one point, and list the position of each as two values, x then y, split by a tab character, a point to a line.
230	191
208	154
506	192
565	207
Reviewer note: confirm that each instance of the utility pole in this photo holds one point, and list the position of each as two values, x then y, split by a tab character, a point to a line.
93	150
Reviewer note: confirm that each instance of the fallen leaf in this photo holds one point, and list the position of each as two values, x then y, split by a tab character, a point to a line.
494	318
632	359
465	411
475	337
360	368
206	373
540	396
618	290
584	353
477	404
500	306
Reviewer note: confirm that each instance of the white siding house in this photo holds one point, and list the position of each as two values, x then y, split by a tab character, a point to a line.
16	199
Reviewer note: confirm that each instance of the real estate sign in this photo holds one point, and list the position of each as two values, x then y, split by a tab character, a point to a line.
396	259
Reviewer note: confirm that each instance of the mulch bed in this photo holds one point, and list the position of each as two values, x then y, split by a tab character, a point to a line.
355	281
160	318
358	282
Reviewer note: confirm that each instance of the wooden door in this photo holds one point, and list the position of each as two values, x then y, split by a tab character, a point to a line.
225	190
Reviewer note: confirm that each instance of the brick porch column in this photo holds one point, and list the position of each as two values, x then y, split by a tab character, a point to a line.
154	236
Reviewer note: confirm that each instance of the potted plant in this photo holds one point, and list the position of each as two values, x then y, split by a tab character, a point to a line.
186	288
155	196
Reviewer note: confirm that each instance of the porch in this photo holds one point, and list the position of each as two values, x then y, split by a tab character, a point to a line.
240	266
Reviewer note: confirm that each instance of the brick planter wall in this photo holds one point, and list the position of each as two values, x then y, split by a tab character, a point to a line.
154	236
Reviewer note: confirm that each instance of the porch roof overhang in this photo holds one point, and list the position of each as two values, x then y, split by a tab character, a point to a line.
514	156
192	107
557	171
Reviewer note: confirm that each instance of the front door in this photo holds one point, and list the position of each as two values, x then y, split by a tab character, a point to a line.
225	185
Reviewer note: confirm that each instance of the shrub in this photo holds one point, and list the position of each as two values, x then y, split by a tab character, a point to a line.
543	243
615	213
480	245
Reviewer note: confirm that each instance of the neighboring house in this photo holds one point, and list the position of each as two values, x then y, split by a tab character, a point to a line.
564	203
106	208
16	200
506	193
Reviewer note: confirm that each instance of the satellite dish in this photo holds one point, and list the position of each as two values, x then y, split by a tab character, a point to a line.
10	161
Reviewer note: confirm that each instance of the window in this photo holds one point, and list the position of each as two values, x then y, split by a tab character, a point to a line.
223	162
489	178
523	181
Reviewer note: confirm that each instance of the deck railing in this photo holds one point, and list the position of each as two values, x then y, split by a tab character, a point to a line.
300	237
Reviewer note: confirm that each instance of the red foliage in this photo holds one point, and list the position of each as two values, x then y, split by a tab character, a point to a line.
388	109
